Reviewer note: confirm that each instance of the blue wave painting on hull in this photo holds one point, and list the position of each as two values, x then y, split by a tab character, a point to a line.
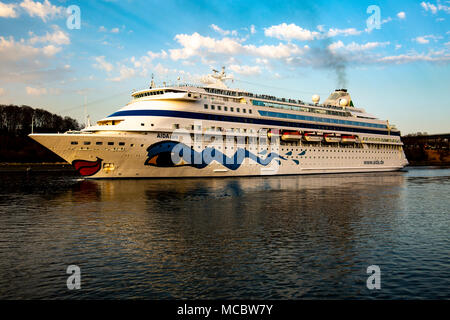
160	155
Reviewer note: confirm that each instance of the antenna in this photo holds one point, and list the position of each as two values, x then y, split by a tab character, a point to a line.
85	112
152	84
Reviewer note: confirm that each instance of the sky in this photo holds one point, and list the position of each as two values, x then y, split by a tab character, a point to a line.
392	56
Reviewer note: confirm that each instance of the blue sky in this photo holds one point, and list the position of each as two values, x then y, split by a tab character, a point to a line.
399	71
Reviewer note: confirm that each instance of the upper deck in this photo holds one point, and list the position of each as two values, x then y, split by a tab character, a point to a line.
194	92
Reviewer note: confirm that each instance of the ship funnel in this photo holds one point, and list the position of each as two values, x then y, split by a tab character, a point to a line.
339	98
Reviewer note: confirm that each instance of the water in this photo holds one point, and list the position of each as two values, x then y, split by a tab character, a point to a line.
303	237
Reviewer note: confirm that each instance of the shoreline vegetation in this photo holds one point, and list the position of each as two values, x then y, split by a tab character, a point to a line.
16	123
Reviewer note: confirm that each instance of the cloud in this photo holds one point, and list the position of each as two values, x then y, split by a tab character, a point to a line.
223	32
428	6
353	47
35	91
425	39
8	10
432	56
245	70
113	30
125	73
21	61
252	29
401	15
43	10
57	37
51	50
422	40
293	32
11	50
196	45
344	32
290	31
102	64
434	8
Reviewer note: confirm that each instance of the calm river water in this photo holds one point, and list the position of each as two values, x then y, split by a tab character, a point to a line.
302	237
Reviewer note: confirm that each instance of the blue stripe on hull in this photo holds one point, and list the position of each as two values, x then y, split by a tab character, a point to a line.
266	122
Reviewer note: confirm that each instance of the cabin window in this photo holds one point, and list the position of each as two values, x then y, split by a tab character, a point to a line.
231	109
99	143
206	106
121	143
110	143
237	110
225	108
73	142
244	111
212	107
142	124
250	111
86	143
219	108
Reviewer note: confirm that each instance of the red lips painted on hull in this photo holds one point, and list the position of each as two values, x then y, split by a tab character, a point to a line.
87	168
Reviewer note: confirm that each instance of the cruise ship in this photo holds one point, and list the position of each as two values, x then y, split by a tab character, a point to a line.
210	130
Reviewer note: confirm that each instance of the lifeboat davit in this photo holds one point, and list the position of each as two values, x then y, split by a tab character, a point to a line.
349	139
313	136
332	138
291	136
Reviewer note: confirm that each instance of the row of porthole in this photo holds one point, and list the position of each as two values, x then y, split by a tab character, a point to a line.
100	143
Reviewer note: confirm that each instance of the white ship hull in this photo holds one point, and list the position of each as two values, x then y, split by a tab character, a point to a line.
129	160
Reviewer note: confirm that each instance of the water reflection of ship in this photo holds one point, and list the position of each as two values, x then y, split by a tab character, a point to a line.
237	200
210	229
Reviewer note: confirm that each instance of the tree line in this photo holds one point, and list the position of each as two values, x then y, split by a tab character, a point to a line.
16	122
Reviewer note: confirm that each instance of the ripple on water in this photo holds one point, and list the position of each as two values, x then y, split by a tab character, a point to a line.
260	238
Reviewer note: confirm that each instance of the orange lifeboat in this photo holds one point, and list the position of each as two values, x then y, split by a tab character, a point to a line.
349	139
332	137
291	136
313	136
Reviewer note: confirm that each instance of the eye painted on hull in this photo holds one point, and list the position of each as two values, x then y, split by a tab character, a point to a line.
87	168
